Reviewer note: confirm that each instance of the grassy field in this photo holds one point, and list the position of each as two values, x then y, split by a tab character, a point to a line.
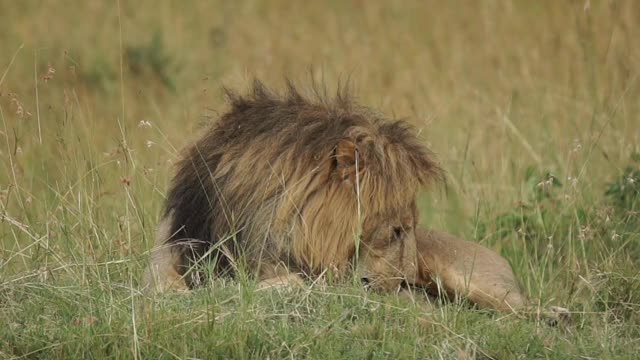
532	107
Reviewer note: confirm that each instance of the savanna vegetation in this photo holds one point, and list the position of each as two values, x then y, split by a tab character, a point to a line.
532	107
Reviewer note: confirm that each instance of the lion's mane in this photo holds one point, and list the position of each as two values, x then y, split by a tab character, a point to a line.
289	178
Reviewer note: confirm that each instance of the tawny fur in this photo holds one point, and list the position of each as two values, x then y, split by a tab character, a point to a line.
455	267
288	185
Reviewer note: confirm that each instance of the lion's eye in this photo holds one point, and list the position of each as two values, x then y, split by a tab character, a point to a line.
398	232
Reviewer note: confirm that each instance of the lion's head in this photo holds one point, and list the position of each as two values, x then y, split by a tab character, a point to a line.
389	252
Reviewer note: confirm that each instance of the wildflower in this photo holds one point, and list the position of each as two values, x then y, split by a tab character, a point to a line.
20	111
576	145
144	124
49	75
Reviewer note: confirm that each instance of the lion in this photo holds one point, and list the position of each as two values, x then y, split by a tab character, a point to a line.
292	187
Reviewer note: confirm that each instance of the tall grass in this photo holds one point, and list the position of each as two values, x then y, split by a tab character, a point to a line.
531	106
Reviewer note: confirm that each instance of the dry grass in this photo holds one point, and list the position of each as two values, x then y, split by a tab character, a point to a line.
97	99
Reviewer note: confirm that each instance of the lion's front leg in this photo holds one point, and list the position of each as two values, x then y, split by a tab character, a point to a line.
162	273
277	275
166	262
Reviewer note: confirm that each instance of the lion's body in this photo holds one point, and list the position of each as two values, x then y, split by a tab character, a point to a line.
286	185
290	187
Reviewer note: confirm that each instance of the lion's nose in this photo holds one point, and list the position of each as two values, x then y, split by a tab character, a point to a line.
365	280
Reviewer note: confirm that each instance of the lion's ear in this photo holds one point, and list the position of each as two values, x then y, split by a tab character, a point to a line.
348	161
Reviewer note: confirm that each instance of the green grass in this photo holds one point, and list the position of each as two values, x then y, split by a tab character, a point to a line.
532	107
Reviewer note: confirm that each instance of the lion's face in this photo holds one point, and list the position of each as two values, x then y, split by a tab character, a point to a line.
388	249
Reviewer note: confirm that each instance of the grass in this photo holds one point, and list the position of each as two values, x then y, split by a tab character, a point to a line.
531	106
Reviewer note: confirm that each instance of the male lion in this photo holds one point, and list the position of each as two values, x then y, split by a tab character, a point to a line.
291	187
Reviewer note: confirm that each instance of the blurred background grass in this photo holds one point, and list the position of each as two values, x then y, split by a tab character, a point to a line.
532	107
